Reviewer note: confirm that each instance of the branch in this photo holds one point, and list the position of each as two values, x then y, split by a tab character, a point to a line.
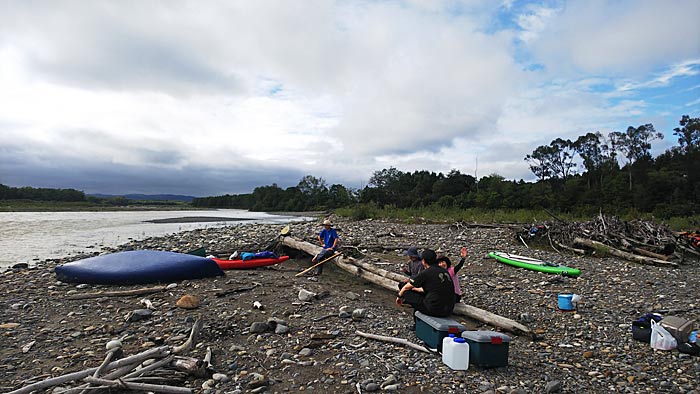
400	341
192	340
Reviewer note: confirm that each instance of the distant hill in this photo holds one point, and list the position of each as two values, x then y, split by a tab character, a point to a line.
152	197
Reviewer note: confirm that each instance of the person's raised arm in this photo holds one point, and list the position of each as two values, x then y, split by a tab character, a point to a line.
462	259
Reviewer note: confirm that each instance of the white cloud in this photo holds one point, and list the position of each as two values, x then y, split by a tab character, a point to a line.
619	37
333	89
684	69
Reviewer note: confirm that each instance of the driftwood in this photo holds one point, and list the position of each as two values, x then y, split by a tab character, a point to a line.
400	341
625	255
139	386
117	293
636	237
319	263
123	372
390	281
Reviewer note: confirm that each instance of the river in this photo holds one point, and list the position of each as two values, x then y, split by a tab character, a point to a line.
31	236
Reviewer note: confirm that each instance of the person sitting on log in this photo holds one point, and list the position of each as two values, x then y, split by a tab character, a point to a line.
430	292
328	238
445	263
414	266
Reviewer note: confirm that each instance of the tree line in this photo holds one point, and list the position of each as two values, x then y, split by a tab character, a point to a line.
40	194
614	172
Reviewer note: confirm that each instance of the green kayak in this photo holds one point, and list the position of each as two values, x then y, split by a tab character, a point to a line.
534	264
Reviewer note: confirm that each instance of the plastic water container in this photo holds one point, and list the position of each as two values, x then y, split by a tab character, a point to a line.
455	354
565	303
448	338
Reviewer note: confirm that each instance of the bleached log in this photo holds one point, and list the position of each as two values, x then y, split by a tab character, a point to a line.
158	388
386	280
622	254
58	380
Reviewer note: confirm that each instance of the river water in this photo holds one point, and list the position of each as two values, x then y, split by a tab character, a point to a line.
29	236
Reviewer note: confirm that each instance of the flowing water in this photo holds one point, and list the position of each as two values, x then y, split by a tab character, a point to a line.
29	236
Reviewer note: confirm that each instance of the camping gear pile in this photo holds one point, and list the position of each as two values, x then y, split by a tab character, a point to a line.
666	333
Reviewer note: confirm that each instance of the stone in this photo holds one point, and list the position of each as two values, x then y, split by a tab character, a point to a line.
345	312
188	302
352	296
371	387
554	386
113	344
305	352
171	286
391	379
219	377
391	387
258	327
139	314
305	295
281	329
358	314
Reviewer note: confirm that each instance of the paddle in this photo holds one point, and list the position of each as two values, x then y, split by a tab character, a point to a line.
317	264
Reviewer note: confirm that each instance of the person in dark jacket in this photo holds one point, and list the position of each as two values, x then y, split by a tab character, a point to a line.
431	291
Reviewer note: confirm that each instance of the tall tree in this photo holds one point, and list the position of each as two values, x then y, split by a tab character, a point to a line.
555	160
635	144
688	134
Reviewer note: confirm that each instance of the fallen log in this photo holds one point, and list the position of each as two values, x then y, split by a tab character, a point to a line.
622	254
390	281
139	386
117	293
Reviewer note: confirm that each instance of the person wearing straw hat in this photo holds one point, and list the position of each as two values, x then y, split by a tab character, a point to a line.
328	238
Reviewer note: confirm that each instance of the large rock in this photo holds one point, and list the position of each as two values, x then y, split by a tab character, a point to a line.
188	302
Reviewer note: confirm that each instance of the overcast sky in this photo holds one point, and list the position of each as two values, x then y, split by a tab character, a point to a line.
211	97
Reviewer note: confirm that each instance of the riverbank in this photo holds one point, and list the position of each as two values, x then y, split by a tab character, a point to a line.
590	350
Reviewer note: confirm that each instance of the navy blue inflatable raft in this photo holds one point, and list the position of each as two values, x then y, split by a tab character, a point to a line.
138	266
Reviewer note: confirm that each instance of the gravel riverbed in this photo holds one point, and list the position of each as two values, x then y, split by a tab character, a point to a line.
44	334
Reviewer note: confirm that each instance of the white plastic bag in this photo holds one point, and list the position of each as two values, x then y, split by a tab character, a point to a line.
660	338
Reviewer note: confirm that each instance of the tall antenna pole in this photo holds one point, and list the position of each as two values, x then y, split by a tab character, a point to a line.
476	169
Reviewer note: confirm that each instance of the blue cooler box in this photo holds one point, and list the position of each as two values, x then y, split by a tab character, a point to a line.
487	348
432	330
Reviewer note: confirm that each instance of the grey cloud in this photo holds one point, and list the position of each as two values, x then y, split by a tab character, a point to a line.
109	178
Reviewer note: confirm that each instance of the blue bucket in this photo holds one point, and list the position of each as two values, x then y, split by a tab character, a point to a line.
565	303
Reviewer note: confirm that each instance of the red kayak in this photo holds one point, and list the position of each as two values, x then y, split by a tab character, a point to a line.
246	264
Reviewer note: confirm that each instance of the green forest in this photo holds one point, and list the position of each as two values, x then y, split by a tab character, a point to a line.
615	173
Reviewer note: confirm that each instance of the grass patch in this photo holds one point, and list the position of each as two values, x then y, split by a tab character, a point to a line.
437	214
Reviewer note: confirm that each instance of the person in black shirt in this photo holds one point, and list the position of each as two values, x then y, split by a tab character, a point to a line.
431	291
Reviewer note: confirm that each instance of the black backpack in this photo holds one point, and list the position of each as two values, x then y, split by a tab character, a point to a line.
641	328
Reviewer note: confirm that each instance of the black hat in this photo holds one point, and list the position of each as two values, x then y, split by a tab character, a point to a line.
429	256
412	252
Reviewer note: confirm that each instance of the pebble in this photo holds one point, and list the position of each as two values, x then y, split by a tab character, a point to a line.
139	314
553	387
358	314
352	296
305	352
219	377
345	312
598	355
